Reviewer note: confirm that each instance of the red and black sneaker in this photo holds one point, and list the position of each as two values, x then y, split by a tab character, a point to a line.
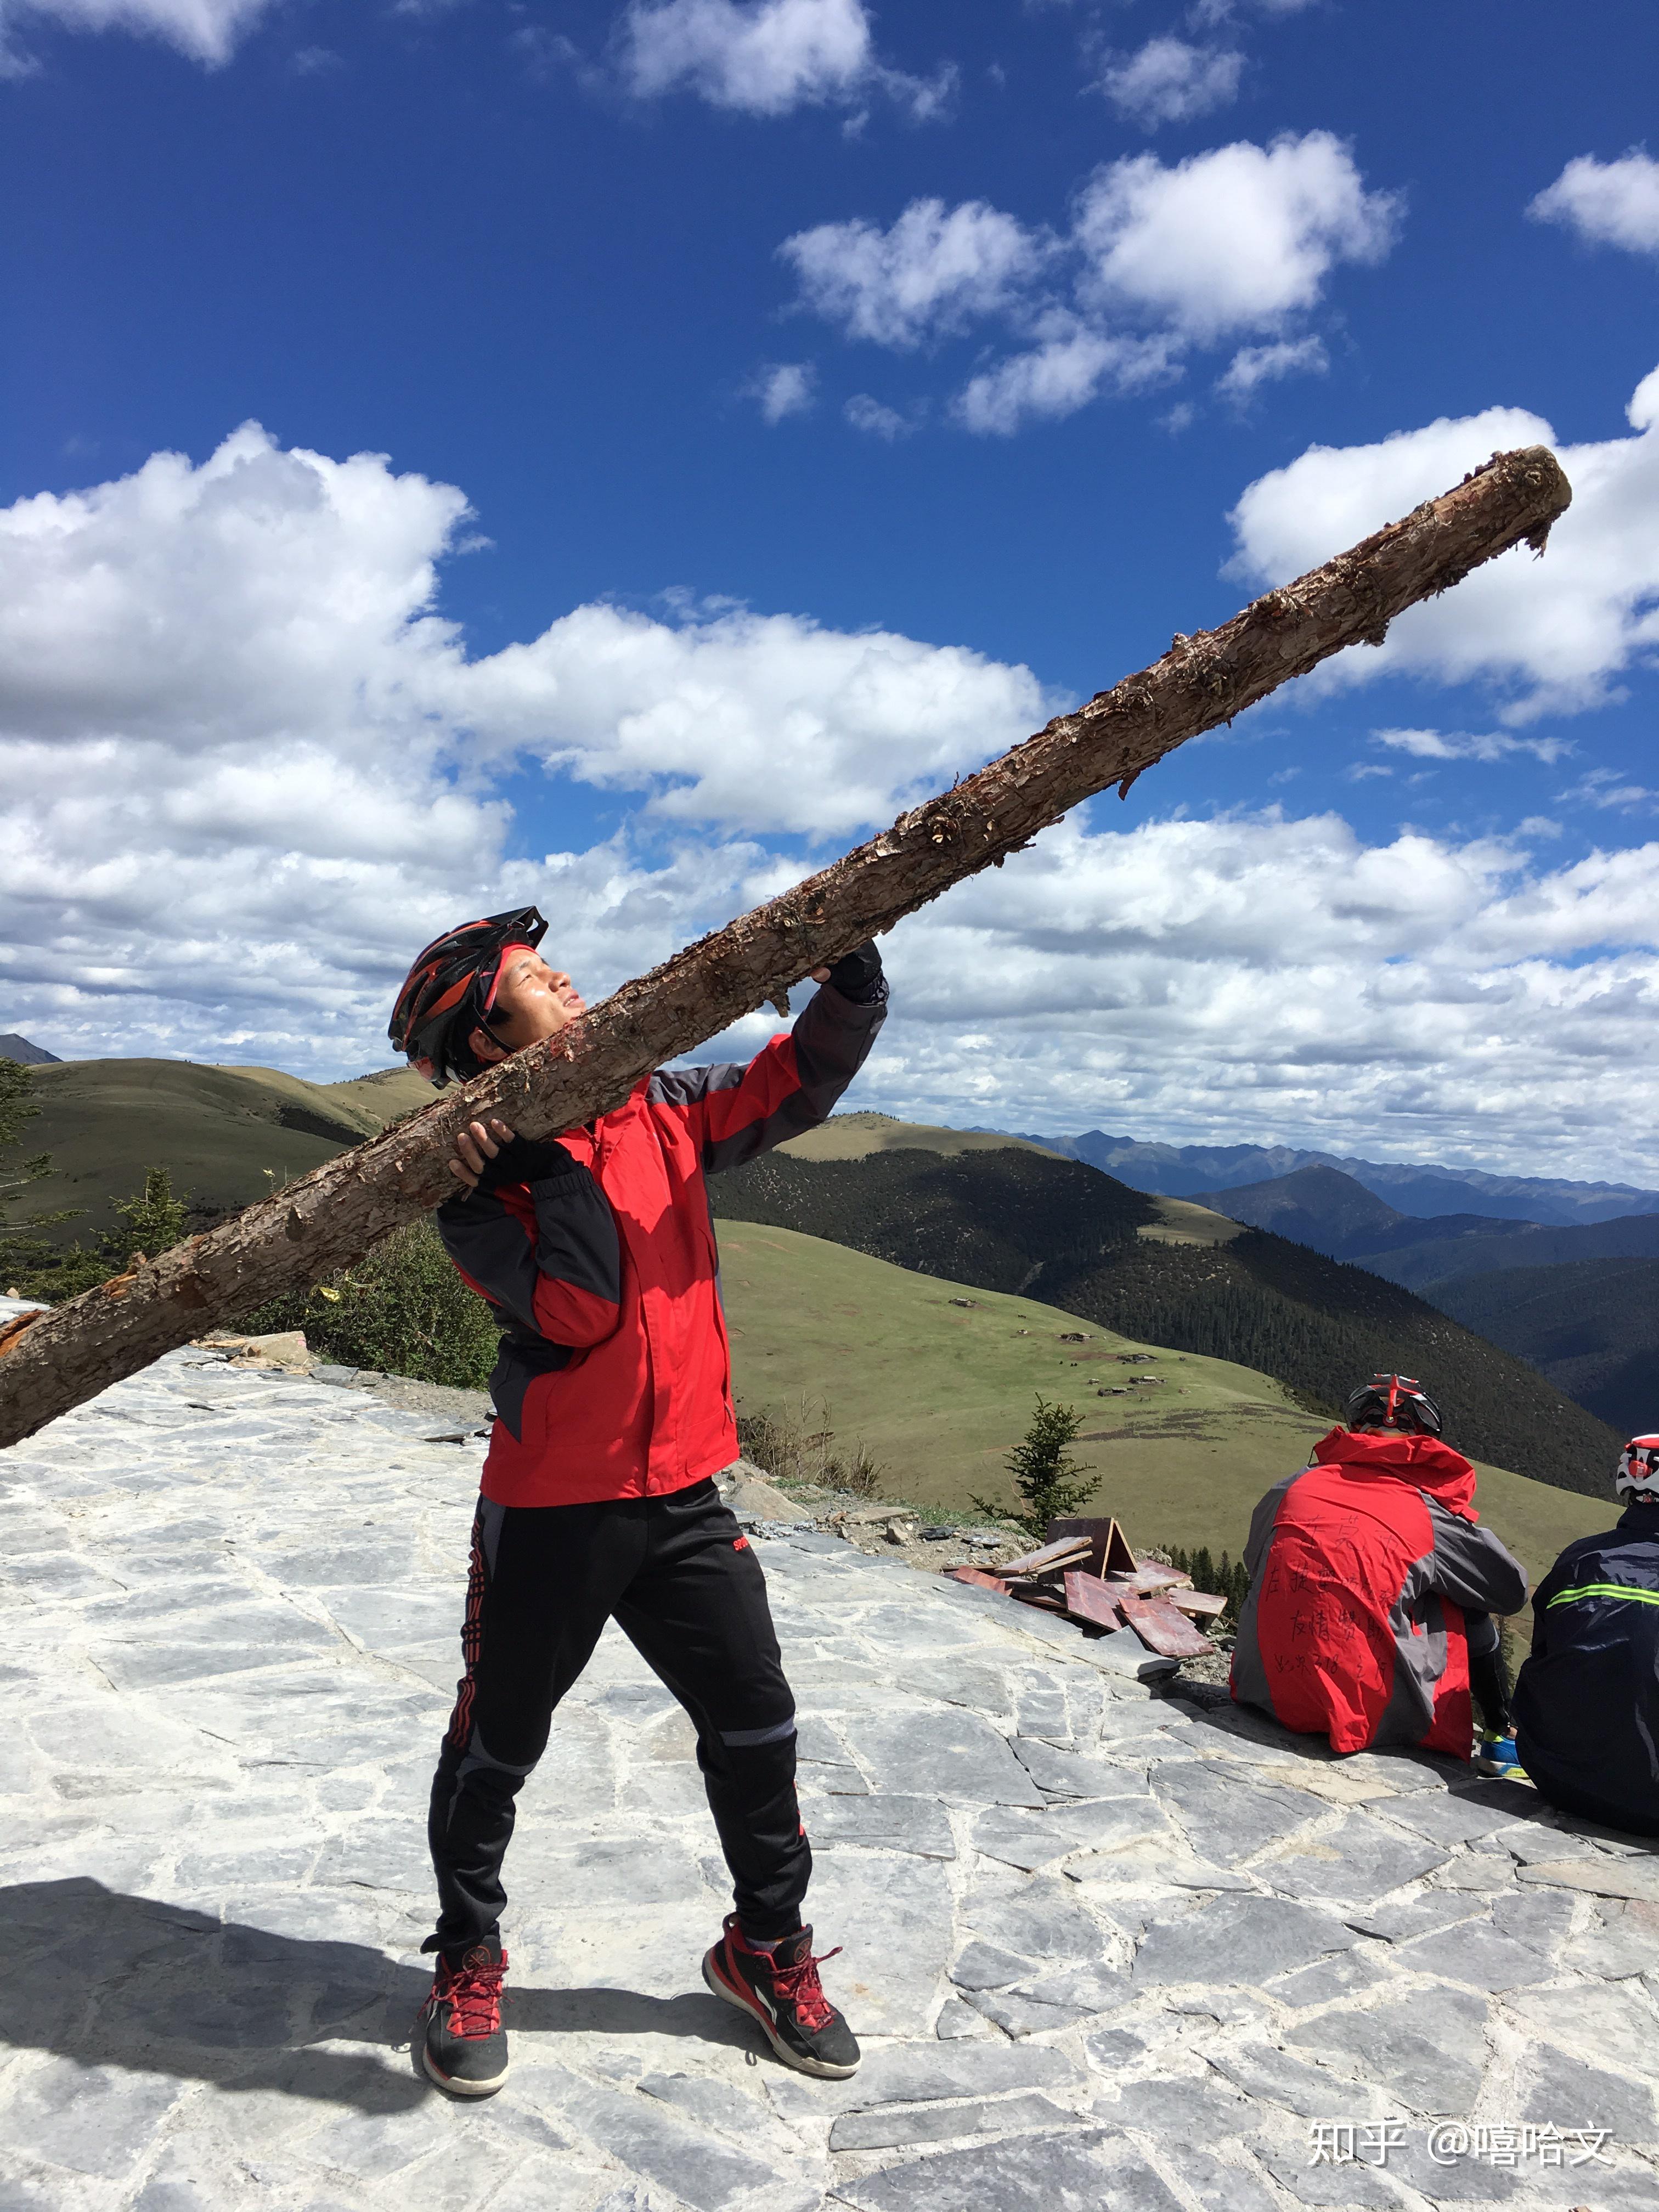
780	1989
466	2048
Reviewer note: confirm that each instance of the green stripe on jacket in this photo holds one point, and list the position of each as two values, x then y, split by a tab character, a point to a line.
1604	1590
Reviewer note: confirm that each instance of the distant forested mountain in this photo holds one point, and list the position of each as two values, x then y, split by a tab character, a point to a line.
1054	1230
1337	1215
1590	1326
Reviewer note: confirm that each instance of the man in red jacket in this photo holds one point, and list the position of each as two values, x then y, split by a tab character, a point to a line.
614	1413
1372	1587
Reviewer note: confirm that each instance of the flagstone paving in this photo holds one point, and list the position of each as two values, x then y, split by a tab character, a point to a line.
1107	1947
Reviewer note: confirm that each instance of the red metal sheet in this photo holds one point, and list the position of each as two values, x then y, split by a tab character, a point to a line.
1043	1561
1162	1629
1087	1598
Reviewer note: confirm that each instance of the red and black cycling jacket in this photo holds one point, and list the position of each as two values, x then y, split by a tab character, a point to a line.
614	1379
1361	1570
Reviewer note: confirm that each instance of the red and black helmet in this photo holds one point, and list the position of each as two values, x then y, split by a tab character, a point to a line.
1393	1401
450	990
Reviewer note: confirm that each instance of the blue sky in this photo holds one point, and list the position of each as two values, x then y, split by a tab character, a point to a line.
986	330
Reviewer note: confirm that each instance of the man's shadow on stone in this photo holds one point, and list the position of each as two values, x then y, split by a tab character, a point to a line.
111	1980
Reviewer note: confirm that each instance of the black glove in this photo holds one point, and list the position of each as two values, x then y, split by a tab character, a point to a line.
527	1160
857	975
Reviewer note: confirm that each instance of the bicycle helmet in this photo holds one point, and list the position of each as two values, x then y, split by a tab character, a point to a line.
449	992
1393	1401
1637	1473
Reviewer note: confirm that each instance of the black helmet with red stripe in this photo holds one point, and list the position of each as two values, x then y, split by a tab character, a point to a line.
1393	1401
449	992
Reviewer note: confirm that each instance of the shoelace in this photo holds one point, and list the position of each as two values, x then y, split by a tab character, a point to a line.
799	1987
474	1998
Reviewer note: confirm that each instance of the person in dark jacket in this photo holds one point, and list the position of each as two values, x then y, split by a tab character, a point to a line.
1372	1587
1587	1697
613	1399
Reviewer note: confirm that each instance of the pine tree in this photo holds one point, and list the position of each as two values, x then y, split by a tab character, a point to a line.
154	1220
1229	1579
1045	1473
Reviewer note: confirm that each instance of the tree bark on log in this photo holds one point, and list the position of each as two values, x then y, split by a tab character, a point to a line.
312	1228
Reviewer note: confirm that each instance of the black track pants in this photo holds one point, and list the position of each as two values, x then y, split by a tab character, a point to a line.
1489	1681
688	1593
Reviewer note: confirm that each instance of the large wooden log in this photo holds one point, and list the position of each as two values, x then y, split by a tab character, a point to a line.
330	1217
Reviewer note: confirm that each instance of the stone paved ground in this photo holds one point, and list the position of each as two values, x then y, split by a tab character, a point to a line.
1106	1950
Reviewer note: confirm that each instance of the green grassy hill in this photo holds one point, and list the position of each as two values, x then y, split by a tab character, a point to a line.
855	1136
937	1377
1019	1222
217	1131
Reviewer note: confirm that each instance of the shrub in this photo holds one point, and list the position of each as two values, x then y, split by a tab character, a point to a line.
154	1220
789	1445
1044	1472
403	1310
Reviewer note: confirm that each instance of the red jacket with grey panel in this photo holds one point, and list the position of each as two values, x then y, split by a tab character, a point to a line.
1361	1569
614	1379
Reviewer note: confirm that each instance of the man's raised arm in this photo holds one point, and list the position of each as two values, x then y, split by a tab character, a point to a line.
794	1083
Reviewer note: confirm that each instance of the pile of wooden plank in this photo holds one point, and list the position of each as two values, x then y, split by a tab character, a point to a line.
1085	1570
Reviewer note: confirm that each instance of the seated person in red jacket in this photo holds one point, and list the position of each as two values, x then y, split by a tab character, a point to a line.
1372	1587
614	1413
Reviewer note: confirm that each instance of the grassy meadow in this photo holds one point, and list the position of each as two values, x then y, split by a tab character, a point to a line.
940	1390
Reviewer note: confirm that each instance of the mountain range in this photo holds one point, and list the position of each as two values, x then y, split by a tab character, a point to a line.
1334	1213
1304	1274
1426	1190
1581	1305
1163	1270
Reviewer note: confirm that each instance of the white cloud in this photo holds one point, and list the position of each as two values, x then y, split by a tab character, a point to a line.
1254	366
1285	981
1058	377
1608	202
757	721
932	273
207	30
1555	635
1461	744
1170	81
784	388
876	419
1603	788
767	57
1237	239
1158	260
1210	13
245	767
